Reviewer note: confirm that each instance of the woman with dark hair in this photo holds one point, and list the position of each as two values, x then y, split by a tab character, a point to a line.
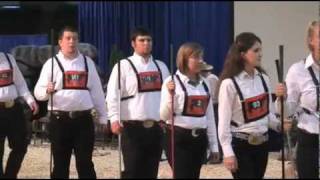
194	126
245	109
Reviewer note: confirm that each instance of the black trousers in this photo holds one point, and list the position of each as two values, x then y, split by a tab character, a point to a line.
141	150
69	135
307	155
13	126
252	159
189	152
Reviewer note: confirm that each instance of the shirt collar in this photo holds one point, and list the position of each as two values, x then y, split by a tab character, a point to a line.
140	58
60	54
244	74
185	78
310	61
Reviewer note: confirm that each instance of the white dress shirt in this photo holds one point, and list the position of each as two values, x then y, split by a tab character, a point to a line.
72	99
19	88
188	122
301	92
143	106
230	109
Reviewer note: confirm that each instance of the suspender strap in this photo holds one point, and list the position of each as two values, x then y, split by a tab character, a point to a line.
316	82
135	71
186	93
137	74
8	59
59	64
62	69
264	83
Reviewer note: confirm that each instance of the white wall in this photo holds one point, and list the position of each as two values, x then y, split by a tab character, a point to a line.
277	23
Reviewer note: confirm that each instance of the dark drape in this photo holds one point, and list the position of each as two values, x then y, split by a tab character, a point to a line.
8	42
107	23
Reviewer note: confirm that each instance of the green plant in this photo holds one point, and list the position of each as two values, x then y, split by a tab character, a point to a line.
115	55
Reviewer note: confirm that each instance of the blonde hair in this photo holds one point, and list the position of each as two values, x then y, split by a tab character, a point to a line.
310	31
187	50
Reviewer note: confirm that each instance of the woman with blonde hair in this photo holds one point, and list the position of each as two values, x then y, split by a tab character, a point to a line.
194	125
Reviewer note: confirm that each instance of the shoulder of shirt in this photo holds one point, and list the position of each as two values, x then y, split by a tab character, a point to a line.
227	82
297	66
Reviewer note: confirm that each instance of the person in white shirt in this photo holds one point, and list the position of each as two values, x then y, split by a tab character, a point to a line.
245	109
76	89
194	125
138	119
303	90
12	121
213	82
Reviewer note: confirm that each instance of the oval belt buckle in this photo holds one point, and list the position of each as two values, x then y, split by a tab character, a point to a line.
71	114
254	139
9	104
194	133
148	123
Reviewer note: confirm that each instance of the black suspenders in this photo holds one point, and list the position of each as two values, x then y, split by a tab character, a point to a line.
186	93
264	84
316	82
62	69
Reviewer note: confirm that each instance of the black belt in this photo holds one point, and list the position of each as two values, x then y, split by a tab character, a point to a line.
71	114
146	123
194	132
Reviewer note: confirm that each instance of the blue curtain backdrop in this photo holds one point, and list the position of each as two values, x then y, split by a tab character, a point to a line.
104	24
7	42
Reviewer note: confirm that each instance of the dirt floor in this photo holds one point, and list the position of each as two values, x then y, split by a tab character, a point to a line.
106	158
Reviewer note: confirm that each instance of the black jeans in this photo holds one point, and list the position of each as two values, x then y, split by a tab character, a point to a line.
307	155
13	126
69	135
141	149
189	152
252	159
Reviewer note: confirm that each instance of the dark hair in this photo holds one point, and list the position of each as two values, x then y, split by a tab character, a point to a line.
66	28
187	50
234	62
139	31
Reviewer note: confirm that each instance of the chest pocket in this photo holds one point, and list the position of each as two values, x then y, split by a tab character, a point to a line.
6	76
74	79
195	105
256	107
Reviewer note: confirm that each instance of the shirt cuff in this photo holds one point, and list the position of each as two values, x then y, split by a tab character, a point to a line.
114	119
29	99
103	120
227	151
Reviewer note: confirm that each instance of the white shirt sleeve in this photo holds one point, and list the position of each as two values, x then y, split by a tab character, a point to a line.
226	99
293	91
40	90
20	83
97	94
212	130
113	94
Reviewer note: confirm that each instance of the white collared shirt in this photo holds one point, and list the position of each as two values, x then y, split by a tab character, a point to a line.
230	109
19	88
71	99
301	92
206	122
143	106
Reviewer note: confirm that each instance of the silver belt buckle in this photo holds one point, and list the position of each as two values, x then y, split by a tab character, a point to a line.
148	123
255	139
71	114
194	133
9	104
